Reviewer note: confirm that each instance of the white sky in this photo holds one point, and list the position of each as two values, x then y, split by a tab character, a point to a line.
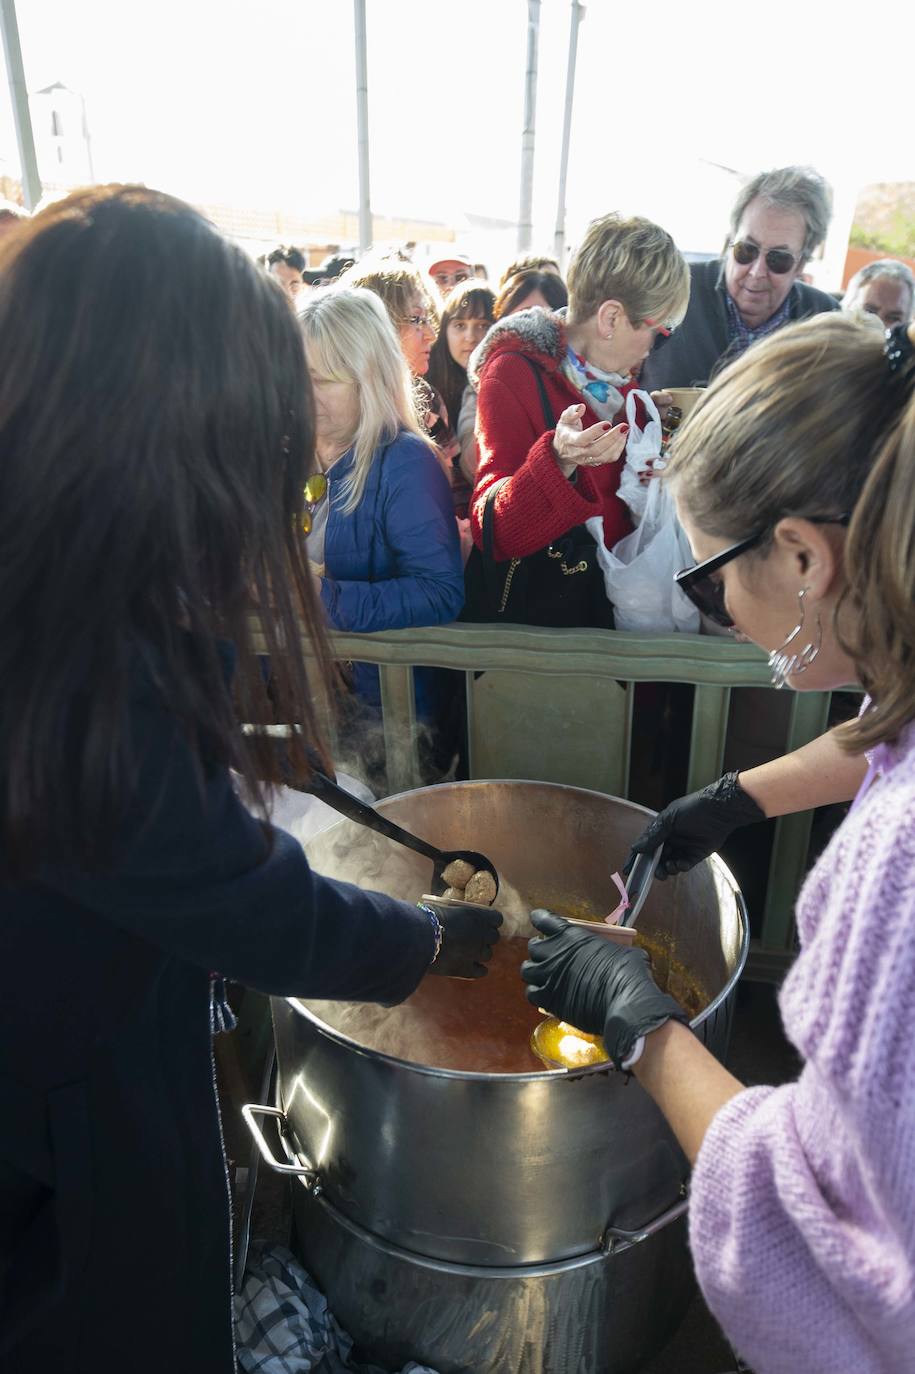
252	101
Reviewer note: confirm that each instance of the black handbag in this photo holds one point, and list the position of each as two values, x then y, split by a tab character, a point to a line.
561	585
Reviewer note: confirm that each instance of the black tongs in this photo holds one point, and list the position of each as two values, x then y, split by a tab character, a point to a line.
638	885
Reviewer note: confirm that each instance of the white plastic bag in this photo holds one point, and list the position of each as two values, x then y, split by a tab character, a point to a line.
643	450
639	570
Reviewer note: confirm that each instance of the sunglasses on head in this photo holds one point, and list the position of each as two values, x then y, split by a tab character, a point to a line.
706	591
315	491
778	260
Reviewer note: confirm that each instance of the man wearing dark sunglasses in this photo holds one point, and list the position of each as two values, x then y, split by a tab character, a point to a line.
779	219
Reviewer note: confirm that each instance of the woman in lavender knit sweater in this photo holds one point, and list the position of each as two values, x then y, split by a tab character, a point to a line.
802	1204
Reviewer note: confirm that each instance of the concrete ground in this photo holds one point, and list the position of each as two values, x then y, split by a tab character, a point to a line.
759	1054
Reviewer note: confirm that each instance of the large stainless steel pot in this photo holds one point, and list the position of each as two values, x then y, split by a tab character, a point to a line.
608	1311
501	1169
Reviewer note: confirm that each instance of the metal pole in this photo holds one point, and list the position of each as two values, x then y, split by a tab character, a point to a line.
525	225
31	183
559	238
362	115
88	143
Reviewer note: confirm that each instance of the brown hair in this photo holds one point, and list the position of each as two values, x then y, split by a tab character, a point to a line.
530	262
156	425
516	290
810	422
880	567
398	282
471	300
634	262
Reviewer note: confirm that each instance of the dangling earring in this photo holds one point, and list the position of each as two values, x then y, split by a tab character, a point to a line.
783	665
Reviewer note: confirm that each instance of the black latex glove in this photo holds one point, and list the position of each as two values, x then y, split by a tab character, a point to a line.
596	985
469	932
696	826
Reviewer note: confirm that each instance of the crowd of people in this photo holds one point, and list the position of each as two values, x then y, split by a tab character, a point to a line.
522	388
186	435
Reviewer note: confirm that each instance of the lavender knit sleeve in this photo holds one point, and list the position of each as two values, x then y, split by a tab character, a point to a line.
802	1213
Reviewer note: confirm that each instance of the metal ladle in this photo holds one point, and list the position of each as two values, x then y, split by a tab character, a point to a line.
320	786
333	795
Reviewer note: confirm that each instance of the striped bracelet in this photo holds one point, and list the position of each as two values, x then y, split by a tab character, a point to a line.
437	927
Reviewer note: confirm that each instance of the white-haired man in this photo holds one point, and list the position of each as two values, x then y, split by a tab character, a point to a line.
779	219
885	288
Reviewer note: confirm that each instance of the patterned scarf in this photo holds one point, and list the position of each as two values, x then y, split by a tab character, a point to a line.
601	390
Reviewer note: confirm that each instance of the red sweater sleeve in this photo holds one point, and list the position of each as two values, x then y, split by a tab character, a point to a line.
535	504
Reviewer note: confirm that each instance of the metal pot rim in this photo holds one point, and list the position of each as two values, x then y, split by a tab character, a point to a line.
534	1075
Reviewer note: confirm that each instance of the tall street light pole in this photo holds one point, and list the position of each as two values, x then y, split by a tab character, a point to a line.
559	238
28	162
362	117
525	213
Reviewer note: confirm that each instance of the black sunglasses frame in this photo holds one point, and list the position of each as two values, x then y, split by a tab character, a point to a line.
780	254
709	600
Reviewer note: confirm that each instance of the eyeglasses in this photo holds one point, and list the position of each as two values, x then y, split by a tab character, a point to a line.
451	278
665	330
315	492
778	260
706	592
420	321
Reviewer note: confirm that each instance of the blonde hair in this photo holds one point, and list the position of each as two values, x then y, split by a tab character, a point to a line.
398	283
810	422
634	262
349	338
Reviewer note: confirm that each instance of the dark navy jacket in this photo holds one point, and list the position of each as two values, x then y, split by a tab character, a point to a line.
395	561
114	1219
691	356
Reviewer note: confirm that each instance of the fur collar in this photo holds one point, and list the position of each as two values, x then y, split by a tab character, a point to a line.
535	331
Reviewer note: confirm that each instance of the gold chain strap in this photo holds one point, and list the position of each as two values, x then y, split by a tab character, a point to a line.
550	553
506	590
564	567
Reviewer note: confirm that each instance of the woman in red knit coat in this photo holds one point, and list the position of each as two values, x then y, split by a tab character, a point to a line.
628	283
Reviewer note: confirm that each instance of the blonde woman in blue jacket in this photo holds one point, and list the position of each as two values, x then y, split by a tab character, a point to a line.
383	541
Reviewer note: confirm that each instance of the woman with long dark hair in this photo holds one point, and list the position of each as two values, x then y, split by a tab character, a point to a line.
466	318
156	428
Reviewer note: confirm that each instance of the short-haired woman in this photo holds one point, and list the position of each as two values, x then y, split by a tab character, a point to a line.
383	537
154	459
802	1202
551	389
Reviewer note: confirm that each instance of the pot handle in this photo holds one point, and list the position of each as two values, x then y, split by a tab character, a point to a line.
614	1240
251	1110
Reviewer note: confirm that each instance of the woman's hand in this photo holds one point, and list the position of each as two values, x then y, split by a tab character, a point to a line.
596	985
693	827
663	401
593	447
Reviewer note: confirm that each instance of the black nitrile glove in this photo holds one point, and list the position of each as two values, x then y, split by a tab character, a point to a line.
696	826
596	985
469	932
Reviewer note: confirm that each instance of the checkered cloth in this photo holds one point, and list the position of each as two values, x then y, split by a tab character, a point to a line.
283	1325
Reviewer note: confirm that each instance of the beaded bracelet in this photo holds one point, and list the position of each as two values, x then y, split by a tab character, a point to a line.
437	927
